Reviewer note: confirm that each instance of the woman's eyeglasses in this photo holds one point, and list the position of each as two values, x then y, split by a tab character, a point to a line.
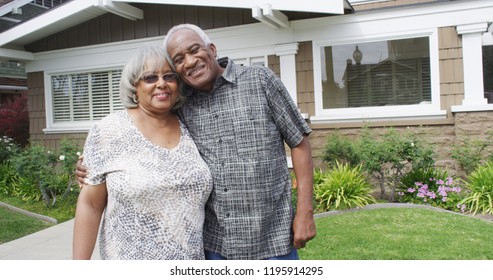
168	77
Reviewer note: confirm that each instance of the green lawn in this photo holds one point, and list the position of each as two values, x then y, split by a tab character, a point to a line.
400	234
15	225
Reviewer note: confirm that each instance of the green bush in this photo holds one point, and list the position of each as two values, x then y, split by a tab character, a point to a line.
469	153
480	186
41	174
8	148
340	148
386	157
342	187
432	187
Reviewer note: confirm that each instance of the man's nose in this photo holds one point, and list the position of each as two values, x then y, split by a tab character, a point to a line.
189	60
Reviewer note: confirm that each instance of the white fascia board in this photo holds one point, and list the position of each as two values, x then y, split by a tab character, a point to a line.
316	6
15	55
47	19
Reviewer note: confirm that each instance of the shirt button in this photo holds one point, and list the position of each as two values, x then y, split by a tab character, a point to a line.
225	190
220	140
227	215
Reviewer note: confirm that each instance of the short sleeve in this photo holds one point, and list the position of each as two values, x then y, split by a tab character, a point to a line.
95	158
289	121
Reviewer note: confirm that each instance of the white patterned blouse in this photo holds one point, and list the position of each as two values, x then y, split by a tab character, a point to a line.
156	196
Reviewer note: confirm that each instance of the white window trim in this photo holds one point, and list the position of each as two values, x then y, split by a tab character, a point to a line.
402	112
66	127
473	38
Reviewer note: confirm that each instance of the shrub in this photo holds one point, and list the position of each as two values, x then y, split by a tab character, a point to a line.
469	153
342	187
8	148
340	149
14	121
433	187
43	174
386	157
480	186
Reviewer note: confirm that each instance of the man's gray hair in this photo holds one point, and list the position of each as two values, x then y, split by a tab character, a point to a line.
194	28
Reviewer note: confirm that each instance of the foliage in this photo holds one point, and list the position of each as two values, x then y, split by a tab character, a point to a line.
8	148
386	157
14	121
40	174
342	187
433	187
469	153
480	186
340	149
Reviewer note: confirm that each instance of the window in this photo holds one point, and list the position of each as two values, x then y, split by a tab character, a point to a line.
85	96
395	72
488	73
251	61
386	77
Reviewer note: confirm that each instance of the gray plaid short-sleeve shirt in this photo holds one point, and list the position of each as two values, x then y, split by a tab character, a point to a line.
240	129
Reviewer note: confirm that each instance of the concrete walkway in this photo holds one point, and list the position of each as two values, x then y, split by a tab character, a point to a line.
53	243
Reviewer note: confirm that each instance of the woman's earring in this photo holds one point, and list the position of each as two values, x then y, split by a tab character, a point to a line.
135	98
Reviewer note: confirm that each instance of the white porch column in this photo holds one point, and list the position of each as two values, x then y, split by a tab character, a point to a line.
287	56
472	54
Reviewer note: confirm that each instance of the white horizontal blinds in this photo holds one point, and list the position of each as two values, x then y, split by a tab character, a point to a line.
100	93
85	96
80	97
401	82
384	73
358	86
61	98
425	79
115	102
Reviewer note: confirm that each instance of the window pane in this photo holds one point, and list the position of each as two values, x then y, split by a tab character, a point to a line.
488	72
100	95
116	75
85	96
80	95
383	73
61	98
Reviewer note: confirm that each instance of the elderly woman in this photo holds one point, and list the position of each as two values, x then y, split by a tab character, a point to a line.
145	173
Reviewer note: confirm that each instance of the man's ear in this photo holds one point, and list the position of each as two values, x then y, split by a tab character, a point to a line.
213	49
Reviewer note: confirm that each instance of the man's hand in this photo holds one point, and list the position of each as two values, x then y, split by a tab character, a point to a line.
304	229
81	172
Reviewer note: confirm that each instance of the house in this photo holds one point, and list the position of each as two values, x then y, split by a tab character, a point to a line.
422	64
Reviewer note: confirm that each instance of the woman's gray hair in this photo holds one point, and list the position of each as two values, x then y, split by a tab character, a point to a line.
147	59
194	28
